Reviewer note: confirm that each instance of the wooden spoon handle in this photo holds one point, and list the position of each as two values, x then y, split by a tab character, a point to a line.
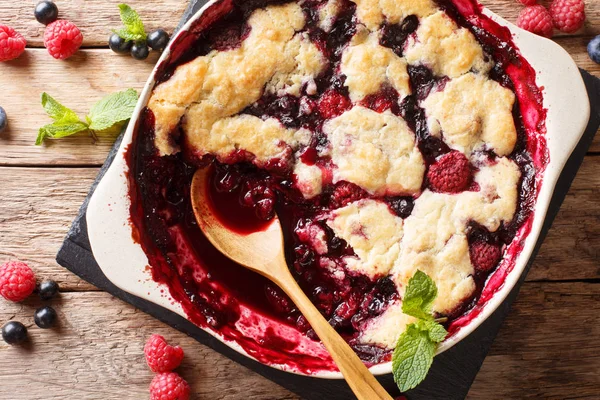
359	378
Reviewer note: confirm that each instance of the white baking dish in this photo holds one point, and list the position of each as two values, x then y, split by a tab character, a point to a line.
565	98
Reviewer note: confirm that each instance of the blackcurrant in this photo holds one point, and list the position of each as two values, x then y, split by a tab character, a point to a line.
45	317
158	40
46	12
118	44
48	289
14	332
140	51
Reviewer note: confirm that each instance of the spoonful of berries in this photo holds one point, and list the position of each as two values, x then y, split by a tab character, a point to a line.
263	252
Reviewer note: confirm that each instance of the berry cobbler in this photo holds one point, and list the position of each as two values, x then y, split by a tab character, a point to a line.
388	136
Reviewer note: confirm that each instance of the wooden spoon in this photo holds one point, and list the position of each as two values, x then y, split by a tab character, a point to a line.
263	252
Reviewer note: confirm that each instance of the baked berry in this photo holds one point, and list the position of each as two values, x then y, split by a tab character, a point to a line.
169	386
451	173
158	40
118	44
3	120
536	19
48	289
140	51
160	356
484	256
12	43
62	39
332	104
45	317
17	281
14	332
567	15
402	206
46	12
593	49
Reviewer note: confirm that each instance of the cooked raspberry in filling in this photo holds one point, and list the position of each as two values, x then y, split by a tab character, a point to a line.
385	136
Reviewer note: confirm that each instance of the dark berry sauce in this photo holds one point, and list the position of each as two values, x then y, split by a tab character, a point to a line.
244	307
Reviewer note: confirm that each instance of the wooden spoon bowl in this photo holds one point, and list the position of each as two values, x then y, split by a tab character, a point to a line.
263	252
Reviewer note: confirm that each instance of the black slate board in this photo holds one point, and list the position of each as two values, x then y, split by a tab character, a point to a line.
452	372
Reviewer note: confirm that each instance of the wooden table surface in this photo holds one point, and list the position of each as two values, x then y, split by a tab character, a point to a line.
548	347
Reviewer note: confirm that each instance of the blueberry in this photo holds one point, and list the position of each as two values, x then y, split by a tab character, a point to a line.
46	12
3	120
593	49
140	50
118	44
45	317
14	332
158	40
48	289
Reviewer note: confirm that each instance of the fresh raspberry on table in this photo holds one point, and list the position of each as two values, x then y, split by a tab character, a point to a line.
333	103
62	39
527	2
160	356
536	19
169	386
484	256
17	281
451	173
12	43
567	15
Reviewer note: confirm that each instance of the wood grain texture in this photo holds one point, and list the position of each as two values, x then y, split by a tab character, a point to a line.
548	346
95	18
97	353
77	83
37	207
81	81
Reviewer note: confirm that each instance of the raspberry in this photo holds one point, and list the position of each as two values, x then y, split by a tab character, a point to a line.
169	386
528	2
62	39
160	356
536	19
451	173
567	15
12	43
345	193
332	104
17	281
484	256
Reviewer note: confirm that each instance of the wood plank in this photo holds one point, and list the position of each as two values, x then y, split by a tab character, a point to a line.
97	353
548	346
78	83
95	18
37	206
546	349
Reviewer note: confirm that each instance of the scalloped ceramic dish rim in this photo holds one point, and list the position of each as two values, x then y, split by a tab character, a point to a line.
565	98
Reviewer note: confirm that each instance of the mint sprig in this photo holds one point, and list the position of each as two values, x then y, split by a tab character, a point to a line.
416	347
133	27
110	111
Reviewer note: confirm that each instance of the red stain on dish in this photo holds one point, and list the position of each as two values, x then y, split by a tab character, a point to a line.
235	303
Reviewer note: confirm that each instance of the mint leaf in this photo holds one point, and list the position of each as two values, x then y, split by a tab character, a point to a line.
112	109
412	357
57	111
437	333
419	295
59	130
133	25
